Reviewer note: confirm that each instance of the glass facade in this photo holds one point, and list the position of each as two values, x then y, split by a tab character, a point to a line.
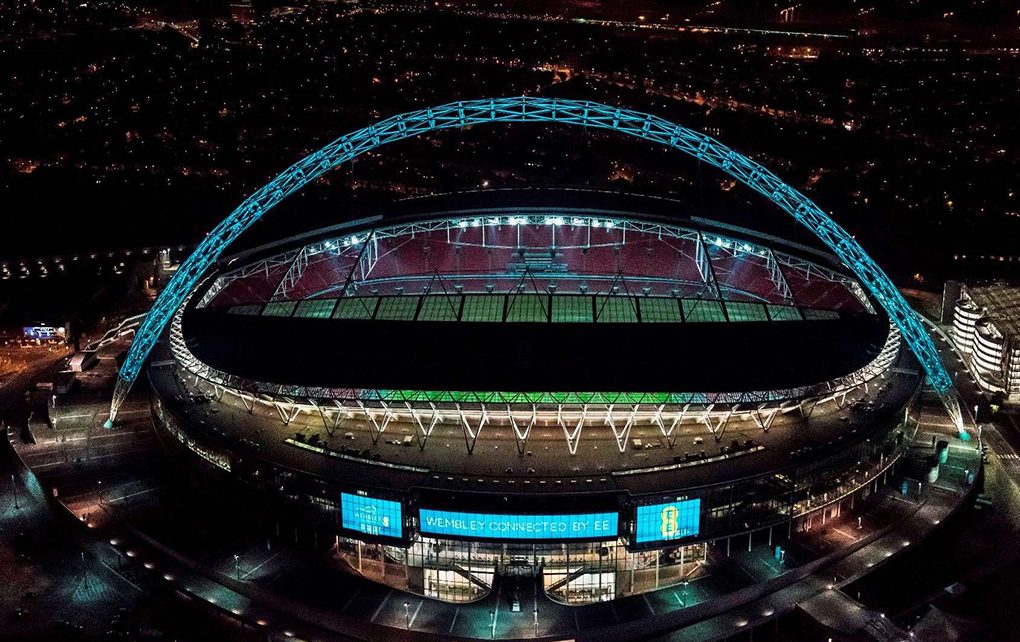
528	307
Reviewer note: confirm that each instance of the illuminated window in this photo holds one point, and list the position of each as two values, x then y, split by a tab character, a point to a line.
703	310
659	310
439	307
483	307
531	308
397	308
746	311
784	313
571	309
615	309
315	308
360	307
820	315
279	308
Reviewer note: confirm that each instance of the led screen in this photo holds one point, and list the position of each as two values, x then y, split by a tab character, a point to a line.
499	526
669	521
370	515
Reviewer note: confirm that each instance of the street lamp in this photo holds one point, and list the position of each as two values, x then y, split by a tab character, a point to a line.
99	492
536	621
407	614
492	622
237	565
14	485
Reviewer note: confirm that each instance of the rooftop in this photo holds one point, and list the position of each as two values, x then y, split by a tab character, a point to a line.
1001	301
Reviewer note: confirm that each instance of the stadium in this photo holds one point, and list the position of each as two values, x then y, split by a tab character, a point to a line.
592	396
589	389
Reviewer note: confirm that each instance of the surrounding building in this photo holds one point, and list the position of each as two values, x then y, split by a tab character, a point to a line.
986	329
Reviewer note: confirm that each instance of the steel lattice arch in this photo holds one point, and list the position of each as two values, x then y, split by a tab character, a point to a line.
536	110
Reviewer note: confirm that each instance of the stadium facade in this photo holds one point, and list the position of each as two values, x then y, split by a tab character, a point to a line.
597	391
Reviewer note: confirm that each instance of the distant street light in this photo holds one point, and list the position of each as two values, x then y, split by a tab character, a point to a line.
536	621
492	622
407	615
237	565
14	484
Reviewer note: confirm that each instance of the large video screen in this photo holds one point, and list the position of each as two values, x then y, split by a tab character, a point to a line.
590	526
371	516
668	521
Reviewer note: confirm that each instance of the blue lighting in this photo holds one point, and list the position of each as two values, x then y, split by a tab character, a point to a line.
669	521
371	516
587	526
543	110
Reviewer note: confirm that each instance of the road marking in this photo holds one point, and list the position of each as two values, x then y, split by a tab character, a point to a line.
98	413
381	605
901	499
266	561
350	600
52	463
420	602
644	596
456	612
495	616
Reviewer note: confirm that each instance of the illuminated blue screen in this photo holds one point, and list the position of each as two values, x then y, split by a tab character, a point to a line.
371	516
664	522
498	526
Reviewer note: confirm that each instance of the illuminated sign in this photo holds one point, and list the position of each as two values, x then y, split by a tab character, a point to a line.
42	332
664	522
371	516
499	526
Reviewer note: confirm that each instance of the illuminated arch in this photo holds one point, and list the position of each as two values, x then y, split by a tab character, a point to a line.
540	110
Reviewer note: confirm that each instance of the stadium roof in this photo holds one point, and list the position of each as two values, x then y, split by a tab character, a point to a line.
538	293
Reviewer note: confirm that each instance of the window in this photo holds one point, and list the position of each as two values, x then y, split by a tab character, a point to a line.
315	308
654	310
279	308
615	309
439	307
746	311
483	307
361	307
703	311
251	310
397	308
530	308
784	313
571	309
820	315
